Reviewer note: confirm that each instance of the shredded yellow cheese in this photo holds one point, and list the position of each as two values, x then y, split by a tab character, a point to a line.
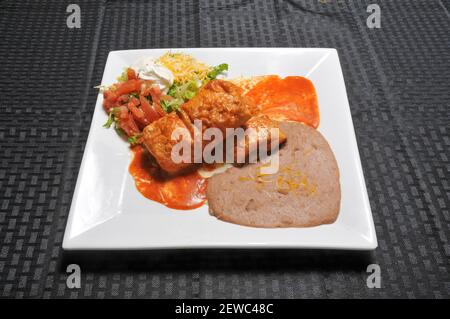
184	67
288	180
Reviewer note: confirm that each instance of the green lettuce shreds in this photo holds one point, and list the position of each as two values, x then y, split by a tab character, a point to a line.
183	92
217	70
110	120
135	139
172	105
124	76
103	88
180	93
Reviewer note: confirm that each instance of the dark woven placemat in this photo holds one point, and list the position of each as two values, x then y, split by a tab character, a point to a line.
398	83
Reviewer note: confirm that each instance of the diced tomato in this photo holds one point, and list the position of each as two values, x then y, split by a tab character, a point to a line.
128	87
107	94
150	112
159	109
133	101
156	93
137	113
131	74
132	113
146	88
123	99
126	121
111	96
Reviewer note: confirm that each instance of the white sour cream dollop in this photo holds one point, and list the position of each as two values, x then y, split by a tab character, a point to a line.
147	69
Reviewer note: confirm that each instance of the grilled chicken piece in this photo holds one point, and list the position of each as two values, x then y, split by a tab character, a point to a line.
157	138
220	104
262	125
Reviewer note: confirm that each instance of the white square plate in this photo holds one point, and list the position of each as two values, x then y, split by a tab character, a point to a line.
108	212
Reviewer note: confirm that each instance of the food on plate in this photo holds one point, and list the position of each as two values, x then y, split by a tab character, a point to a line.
184	67
148	90
157	138
290	99
132	104
263	125
159	102
262	136
304	192
148	68
220	104
248	83
183	192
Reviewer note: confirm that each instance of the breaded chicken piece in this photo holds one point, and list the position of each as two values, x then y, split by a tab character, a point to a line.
262	125
157	138
220	104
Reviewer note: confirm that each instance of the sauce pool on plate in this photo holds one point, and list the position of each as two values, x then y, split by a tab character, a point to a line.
293	98
180	192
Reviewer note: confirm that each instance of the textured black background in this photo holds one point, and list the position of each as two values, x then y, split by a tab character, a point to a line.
398	83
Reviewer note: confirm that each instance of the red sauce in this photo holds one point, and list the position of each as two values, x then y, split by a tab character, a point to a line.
179	192
290	99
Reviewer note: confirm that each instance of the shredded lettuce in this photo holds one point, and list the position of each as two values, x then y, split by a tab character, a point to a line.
135	139
180	93
172	105
111	120
184	92
124	76
189	94
217	70
102	88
